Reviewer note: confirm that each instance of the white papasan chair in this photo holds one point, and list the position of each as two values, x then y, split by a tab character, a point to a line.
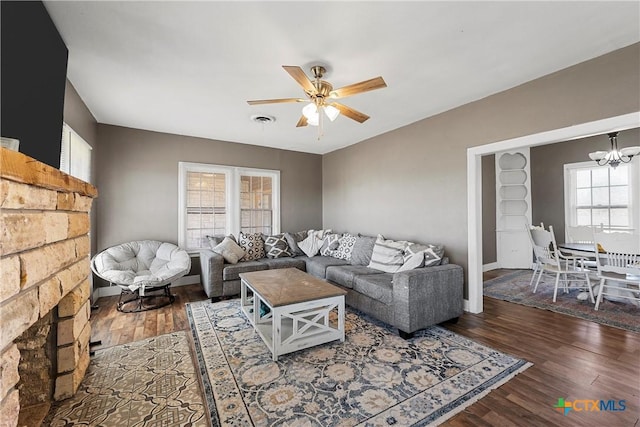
143	270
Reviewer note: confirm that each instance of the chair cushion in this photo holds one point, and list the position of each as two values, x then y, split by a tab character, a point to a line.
232	271
142	264
344	275
376	286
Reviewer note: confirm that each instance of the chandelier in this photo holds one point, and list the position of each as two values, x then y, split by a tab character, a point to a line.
614	156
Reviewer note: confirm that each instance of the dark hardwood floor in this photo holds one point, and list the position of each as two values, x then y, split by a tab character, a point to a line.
573	359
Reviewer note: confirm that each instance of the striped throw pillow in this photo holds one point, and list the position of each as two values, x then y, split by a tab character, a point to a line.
387	255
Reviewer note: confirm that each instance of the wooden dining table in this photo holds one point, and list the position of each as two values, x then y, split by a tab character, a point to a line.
579	249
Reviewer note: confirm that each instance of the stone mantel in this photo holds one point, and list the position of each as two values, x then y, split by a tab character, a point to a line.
44	264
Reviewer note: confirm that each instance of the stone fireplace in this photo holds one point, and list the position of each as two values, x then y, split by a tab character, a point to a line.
44	283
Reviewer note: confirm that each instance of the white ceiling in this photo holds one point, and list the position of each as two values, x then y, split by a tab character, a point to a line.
189	67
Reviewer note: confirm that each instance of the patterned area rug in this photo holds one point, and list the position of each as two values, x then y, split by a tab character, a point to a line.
373	378
514	287
146	383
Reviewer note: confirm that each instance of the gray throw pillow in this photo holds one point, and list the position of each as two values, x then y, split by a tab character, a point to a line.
362	250
293	239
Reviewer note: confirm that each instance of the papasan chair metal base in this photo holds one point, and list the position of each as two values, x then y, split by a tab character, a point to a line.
134	302
144	271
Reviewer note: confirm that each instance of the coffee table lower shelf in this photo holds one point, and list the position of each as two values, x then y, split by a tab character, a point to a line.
288	328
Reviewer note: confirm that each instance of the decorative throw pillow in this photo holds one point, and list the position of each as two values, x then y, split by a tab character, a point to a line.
330	243
387	255
362	250
230	251
277	246
345	247
311	245
433	255
252	245
293	239
216	239
413	256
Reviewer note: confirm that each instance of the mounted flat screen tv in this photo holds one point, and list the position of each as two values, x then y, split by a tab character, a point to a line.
33	78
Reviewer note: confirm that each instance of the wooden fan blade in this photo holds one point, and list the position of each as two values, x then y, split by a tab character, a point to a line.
302	122
275	101
302	79
365	86
351	113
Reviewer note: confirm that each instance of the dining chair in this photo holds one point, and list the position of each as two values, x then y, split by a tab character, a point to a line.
618	264
537	266
553	262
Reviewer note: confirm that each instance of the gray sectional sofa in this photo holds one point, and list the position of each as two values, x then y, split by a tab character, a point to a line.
408	300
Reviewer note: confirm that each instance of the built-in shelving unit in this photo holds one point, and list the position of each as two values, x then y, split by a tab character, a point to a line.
513	208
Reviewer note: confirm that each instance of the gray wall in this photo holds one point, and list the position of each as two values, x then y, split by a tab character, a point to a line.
547	174
78	116
411	183
489	245
138	181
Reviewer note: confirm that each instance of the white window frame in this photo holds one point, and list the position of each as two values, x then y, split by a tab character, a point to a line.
232	190
75	155
634	194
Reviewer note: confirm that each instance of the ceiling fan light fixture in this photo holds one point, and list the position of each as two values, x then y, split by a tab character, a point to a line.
331	112
314	120
310	111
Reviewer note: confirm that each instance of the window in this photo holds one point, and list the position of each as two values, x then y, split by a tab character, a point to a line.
602	195
216	199
75	154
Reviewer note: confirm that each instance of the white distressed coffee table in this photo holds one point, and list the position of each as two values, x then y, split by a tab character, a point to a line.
303	311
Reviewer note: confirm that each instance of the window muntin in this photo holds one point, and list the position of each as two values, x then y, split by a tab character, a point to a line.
602	196
216	199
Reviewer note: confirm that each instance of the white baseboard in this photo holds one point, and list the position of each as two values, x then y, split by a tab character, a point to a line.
490	266
109	291
465	305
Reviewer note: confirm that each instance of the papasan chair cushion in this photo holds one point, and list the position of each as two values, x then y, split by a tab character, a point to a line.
141	266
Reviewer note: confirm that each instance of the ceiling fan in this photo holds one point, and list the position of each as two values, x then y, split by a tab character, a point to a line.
320	96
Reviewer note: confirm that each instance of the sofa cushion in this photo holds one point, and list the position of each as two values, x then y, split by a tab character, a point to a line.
232	271
276	246
387	255
252	245
288	262
293	239
317	265
376	286
230	250
362	250
344	275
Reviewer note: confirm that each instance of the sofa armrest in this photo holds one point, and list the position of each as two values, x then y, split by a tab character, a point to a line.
427	296
211	266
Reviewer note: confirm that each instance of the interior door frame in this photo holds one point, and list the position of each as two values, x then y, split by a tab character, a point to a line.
473	303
